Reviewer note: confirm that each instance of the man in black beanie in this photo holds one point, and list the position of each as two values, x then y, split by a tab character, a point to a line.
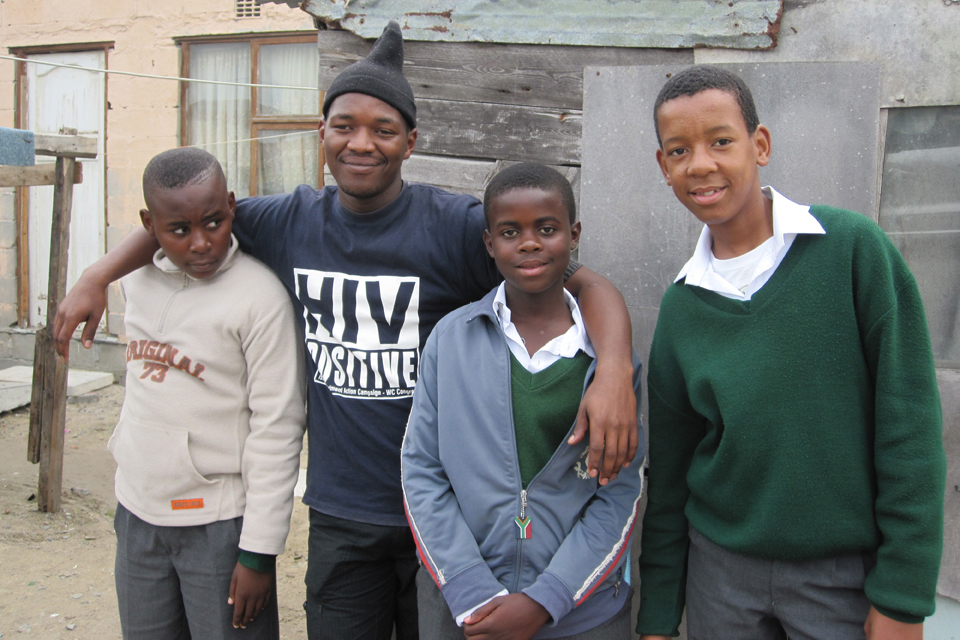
371	265
380	75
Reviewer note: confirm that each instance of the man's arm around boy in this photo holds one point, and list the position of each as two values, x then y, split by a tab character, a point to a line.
610	407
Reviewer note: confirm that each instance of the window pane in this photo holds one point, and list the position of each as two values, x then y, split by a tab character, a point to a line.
920	210
288	158
289	65
218	116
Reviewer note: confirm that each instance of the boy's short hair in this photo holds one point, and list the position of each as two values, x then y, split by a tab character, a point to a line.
693	80
530	175
178	168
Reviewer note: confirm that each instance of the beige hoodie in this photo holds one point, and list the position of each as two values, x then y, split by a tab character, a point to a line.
213	419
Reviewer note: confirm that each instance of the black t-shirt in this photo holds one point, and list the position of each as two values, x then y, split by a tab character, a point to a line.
369	289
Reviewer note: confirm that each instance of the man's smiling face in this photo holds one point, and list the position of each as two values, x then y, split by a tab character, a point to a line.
365	141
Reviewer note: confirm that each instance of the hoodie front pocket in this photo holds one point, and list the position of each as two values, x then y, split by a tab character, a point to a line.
156	477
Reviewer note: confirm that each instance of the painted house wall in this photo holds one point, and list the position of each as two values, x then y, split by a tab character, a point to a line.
142	116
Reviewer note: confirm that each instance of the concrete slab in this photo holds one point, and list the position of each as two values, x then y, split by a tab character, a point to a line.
14	395
16	383
301	487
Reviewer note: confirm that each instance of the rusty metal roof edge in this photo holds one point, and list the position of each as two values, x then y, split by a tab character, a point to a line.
680	24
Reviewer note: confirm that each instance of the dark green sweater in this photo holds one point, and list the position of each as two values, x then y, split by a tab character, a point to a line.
545	406
804	423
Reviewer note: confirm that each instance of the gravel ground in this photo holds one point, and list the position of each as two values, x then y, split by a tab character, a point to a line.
56	570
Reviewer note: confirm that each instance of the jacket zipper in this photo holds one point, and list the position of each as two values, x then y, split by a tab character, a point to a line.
518	559
524	529
166	308
523	521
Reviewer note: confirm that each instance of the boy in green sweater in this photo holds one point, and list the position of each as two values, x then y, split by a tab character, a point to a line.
796	462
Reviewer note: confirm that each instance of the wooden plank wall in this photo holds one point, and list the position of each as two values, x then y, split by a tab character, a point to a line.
481	106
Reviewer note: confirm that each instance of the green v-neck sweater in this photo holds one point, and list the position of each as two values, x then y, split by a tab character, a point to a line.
545	406
803	423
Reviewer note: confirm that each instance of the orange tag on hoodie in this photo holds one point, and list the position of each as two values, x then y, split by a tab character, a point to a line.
192	503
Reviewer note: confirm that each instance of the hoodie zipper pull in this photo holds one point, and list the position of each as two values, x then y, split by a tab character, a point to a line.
524	526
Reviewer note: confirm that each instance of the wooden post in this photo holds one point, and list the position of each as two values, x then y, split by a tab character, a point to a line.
49	400
33	176
33	437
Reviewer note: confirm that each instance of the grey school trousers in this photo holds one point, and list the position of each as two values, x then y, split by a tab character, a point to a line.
173	582
437	623
736	597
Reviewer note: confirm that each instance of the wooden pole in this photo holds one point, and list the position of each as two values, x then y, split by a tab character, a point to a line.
36	397
50	371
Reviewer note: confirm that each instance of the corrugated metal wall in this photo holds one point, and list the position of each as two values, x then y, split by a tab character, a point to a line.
743	24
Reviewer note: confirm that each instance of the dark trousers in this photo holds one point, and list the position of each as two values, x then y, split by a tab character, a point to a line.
173	582
361	581
737	597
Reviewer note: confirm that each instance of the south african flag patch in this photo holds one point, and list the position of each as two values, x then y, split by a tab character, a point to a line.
524	528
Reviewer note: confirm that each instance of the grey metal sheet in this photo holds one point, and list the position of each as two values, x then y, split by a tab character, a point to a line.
916	43
949	584
742	24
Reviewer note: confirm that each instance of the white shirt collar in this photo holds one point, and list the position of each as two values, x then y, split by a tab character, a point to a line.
788	218
565	346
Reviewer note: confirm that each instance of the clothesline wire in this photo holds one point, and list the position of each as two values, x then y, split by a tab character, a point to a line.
312	132
158	77
161	77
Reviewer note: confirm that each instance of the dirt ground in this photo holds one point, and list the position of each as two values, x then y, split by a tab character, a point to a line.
56	570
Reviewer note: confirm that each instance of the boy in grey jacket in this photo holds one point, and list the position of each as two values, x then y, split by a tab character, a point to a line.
508	524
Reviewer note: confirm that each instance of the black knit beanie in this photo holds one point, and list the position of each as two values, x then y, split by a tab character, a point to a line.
380	75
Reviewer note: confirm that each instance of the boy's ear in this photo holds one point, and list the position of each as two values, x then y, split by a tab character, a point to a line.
320	128
574	235
761	138
232	202
488	240
146	219
661	160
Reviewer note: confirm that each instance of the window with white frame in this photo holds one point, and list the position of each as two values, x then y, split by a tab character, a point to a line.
920	211
266	138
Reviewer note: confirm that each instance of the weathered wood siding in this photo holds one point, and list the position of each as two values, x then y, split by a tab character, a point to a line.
482	105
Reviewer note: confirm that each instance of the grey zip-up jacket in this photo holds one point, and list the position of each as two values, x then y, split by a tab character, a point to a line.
464	498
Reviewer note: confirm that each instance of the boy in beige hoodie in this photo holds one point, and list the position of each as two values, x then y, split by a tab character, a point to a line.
209	437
